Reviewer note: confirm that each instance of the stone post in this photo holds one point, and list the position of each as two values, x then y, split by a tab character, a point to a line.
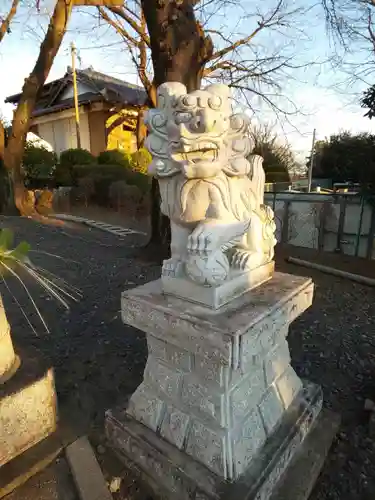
9	362
28	411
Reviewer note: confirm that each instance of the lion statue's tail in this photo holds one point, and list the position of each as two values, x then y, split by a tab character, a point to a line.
258	177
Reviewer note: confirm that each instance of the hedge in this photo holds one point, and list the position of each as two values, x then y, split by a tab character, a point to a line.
115	157
113	173
76	156
141	159
102	176
109	167
39	164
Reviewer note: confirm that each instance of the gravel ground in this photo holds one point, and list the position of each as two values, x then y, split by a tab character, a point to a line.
98	360
333	344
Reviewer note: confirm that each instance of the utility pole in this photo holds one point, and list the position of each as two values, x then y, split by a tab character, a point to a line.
73	52
311	166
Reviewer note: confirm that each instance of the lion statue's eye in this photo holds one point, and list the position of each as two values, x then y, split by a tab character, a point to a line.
182	118
215	102
195	123
189	101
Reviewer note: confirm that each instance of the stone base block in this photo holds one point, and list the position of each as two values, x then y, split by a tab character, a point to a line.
27	407
173	474
217	382
216	297
302	473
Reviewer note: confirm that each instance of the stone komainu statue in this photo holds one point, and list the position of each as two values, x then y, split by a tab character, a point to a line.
211	187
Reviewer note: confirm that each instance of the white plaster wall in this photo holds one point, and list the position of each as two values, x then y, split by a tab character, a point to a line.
61	133
45	131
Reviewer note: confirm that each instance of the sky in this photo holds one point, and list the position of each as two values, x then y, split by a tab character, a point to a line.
314	90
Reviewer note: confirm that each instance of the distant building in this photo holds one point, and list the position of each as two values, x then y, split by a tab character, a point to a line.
108	110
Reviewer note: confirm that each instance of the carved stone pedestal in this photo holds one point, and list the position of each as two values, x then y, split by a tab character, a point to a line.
220	403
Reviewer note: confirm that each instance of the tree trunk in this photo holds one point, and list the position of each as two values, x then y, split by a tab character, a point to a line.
3	173
21	119
179	52
179	48
2	143
141	130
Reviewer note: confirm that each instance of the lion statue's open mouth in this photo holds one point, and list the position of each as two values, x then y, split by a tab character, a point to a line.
205	151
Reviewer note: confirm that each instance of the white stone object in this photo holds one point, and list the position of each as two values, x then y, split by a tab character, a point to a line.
9	361
38	142
212	189
217	383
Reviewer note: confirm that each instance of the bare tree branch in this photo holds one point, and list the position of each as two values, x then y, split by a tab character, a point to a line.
133	44
121	12
370	29
118	27
239	59
5	22
142	67
243	41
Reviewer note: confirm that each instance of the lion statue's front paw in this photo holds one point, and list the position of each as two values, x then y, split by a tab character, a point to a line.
172	267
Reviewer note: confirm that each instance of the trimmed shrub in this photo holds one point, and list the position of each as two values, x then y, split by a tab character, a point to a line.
124	195
87	186
135	166
63	176
102	183
114	173
141	159
98	178
76	156
115	157
142	181
38	164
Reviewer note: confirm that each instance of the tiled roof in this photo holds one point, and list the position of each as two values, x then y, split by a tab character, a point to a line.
126	93
85	98
102	87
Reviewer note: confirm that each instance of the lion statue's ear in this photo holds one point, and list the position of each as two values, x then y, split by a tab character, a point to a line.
239	124
240	142
168	93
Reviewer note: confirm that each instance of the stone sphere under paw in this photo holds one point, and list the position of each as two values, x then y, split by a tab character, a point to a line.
208	271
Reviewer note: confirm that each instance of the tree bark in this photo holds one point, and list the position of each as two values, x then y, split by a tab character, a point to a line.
21	119
5	24
179	50
2	143
141	129
3	176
